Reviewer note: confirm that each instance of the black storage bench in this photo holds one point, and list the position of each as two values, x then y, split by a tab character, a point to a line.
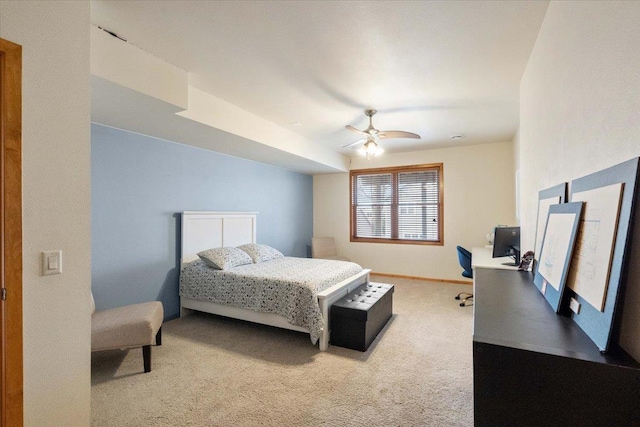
357	318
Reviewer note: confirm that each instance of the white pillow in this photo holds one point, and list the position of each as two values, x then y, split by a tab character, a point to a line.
260	253
224	258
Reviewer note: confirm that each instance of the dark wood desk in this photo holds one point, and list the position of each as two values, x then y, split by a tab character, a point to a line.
534	367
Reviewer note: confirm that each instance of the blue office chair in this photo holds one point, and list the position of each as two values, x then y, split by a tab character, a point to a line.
464	257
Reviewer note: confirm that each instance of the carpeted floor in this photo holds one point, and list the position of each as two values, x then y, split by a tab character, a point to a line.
214	371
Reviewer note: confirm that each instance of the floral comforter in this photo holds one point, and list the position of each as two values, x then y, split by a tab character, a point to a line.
286	286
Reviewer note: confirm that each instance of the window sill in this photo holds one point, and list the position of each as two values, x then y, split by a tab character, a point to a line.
397	241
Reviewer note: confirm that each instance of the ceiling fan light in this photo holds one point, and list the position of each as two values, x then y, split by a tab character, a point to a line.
370	149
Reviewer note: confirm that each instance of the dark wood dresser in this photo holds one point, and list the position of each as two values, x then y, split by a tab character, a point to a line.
533	367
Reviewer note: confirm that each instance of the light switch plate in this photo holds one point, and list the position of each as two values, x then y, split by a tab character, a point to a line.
51	262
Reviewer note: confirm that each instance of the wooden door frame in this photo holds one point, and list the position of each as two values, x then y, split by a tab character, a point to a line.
11	378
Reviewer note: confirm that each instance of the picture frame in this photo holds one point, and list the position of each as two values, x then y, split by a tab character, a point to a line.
561	230
599	323
547	197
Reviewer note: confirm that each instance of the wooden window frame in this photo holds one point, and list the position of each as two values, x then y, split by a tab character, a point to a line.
394	171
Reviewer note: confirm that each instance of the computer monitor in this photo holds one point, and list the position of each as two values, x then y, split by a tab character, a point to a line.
507	243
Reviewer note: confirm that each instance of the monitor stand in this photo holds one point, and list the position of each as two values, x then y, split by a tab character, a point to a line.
516	257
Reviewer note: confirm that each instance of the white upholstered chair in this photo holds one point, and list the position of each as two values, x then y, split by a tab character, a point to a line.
136	325
325	247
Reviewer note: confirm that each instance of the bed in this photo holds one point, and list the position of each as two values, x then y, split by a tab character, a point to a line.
205	230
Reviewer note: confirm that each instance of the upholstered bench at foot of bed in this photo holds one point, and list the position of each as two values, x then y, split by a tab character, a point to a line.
357	318
136	325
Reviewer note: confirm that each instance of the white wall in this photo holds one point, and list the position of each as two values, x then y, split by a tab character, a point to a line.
56	202
479	193
580	109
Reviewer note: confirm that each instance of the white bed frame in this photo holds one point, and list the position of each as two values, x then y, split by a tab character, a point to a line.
205	230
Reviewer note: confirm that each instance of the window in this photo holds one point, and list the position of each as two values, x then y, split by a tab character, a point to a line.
397	205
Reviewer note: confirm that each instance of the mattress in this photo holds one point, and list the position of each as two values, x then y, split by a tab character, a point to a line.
286	286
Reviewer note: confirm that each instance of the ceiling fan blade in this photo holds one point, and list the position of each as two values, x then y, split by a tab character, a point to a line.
360	141
387	134
352	129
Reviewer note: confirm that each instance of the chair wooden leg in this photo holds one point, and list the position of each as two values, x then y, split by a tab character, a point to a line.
159	336
146	356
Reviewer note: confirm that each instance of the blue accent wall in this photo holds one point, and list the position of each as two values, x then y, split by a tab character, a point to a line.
139	187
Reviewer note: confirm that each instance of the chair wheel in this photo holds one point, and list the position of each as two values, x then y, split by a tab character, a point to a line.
462	304
458	297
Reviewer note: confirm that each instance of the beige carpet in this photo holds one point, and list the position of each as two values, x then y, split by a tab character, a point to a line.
214	371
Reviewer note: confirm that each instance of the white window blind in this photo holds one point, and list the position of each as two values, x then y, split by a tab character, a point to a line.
373	199
402	205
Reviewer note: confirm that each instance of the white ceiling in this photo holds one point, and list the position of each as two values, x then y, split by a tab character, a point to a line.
433	68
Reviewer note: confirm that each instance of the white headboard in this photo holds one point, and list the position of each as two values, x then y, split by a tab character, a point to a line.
206	230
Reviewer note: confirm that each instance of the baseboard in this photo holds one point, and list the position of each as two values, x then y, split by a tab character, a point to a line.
431	279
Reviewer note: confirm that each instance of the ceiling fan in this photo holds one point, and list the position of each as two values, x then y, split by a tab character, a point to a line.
369	146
